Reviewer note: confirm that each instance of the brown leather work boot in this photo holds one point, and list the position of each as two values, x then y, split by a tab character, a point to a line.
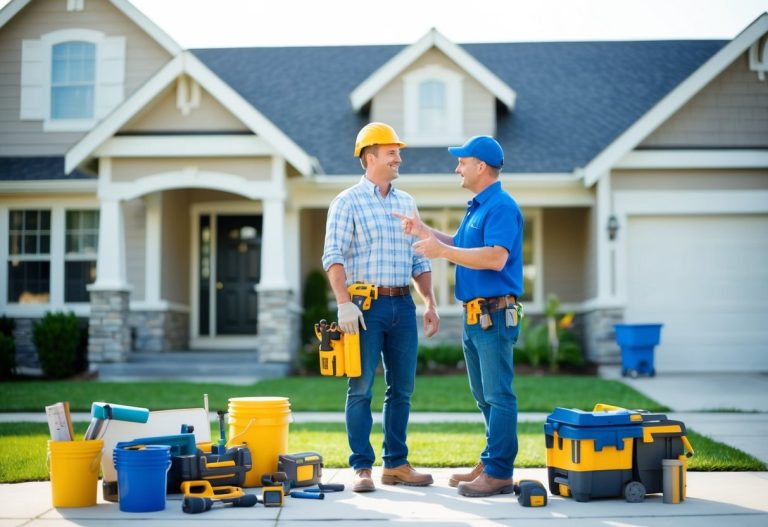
484	485
466	476
362	481
406	475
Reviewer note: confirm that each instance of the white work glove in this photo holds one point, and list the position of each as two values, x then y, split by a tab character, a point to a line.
350	318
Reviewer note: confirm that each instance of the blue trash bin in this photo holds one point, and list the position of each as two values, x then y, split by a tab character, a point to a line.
637	342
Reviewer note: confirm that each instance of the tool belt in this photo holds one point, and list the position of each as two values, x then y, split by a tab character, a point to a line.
480	309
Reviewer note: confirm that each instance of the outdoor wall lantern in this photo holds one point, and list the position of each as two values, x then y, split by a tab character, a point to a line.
613	227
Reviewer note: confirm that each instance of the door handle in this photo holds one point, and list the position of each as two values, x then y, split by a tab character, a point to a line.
219	286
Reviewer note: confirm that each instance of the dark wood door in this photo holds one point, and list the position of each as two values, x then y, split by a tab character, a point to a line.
238	270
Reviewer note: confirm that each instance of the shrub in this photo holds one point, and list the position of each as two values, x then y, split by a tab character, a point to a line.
441	355
550	341
7	357
315	303
57	338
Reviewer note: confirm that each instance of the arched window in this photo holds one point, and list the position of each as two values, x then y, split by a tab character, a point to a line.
73	78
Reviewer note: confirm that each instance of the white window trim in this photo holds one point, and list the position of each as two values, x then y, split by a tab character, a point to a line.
454	92
41	79
57	259
49	40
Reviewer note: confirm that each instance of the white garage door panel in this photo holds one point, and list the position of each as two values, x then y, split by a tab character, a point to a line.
706	279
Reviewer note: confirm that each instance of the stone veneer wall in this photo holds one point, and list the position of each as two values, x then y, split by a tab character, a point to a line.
159	330
600	337
109	337
279	319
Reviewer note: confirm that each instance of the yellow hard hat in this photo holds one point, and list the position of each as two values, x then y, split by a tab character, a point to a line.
376	134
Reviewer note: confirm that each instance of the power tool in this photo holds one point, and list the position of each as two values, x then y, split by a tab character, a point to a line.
339	351
200	496
530	493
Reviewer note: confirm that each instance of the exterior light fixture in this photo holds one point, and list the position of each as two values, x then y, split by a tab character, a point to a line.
613	227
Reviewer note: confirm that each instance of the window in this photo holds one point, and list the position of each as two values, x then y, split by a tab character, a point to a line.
73	77
433	107
81	247
444	272
29	256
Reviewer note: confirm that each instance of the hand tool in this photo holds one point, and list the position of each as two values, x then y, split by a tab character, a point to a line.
102	412
302	468
326	487
362	294
530	493
485	315
200	496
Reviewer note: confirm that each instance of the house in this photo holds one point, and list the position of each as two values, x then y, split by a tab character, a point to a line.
177	198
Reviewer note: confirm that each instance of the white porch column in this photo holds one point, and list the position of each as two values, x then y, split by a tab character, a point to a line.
606	264
273	272
110	267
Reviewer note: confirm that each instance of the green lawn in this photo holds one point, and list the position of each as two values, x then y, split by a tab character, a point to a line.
23	447
449	393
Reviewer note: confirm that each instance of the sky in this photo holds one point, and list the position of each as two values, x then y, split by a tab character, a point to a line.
242	23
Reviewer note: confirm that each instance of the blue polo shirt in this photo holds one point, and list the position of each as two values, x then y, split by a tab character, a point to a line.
493	218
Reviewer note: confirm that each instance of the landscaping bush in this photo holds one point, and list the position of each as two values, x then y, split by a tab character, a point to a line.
57	338
441	356
549	342
7	357
315	309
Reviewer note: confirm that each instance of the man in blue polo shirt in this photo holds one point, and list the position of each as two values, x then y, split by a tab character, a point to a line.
488	252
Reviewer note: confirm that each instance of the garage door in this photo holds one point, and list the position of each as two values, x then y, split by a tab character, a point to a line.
706	279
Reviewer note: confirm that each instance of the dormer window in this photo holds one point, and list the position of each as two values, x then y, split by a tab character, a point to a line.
73	78
433	106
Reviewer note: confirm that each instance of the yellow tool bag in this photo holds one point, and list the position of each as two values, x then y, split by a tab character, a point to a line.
339	351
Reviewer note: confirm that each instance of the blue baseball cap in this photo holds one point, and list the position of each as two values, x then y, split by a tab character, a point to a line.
483	147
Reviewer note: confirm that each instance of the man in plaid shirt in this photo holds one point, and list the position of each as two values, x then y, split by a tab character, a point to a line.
364	243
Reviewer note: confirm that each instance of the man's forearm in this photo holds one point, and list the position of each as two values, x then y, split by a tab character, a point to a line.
337	277
493	258
423	284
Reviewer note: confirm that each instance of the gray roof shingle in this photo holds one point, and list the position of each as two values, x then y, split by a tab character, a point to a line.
36	168
573	98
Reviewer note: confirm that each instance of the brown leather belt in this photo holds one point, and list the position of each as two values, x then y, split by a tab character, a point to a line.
496	303
394	291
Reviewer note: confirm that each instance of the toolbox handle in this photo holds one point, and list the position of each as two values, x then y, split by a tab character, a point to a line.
687	446
602	407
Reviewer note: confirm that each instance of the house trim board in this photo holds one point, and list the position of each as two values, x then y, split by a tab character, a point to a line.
187	63
128	9
366	90
673	101
710	158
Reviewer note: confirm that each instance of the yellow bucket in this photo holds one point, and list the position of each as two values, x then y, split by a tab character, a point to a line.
261	423
74	471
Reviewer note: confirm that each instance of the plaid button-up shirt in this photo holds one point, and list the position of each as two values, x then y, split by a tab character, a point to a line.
362	235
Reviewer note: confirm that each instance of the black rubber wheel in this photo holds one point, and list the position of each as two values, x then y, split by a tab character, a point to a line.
653	372
634	492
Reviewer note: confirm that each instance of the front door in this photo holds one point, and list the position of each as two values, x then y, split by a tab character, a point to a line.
238	270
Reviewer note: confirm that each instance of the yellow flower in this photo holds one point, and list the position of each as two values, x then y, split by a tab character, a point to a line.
567	321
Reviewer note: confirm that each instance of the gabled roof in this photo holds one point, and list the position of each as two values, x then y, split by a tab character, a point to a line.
573	98
149	27
187	63
364	92
674	100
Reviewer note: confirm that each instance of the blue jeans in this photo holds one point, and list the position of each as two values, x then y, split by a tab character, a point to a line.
488	355
391	335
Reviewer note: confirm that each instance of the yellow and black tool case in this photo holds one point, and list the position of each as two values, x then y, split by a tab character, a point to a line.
610	452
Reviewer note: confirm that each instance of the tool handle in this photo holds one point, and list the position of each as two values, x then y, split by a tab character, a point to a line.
330	487
307	495
193	505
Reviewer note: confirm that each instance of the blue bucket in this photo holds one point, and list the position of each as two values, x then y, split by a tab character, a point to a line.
141	476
